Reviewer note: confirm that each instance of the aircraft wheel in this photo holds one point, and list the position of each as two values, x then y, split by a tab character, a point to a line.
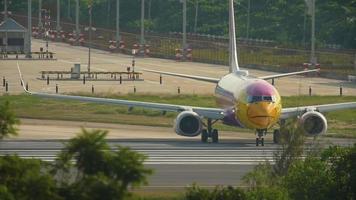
215	136
276	136
204	135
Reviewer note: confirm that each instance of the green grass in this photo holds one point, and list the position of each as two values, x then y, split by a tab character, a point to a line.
25	106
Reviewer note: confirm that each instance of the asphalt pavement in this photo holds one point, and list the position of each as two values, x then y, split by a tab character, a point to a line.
176	164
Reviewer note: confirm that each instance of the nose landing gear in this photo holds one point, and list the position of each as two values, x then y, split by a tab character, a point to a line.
210	133
260	133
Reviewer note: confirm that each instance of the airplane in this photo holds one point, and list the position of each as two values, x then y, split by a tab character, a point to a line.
244	101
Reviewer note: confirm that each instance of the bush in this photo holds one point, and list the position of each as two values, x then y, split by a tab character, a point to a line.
219	193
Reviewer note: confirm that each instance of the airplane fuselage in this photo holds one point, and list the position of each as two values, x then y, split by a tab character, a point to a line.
249	102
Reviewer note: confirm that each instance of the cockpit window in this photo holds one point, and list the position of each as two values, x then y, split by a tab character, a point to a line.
253	99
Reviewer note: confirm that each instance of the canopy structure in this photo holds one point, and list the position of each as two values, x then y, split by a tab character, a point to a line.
12	36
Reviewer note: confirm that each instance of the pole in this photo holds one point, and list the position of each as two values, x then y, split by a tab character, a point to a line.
47	28
108	12
248	19
29	28
355	63
304	27
58	17
184	44
142	40
40	25
5	10
118	21
312	56
196	15
77	31
149	9
68	9
90	27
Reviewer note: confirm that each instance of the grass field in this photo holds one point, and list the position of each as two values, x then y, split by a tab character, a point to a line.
341	123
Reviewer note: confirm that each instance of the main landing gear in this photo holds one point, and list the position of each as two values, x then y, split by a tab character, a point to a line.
260	133
210	133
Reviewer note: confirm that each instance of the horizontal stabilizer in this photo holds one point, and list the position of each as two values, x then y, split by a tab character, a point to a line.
287	74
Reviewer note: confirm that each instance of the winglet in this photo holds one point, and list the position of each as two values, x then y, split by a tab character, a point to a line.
21	79
234	65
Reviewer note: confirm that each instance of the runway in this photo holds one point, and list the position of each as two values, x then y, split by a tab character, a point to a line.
176	164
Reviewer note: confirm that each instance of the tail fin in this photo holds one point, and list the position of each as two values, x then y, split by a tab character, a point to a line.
234	65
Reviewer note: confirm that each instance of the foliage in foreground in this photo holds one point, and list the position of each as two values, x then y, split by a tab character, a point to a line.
219	192
8	120
25	179
299	174
97	173
296	174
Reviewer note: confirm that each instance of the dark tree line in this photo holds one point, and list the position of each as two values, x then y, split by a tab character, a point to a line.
284	21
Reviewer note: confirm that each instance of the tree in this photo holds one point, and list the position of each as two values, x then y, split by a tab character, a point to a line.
89	149
219	193
341	162
309	179
126	167
100	172
8	121
292	147
25	179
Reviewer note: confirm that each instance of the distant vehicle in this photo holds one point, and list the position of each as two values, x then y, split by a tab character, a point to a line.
245	102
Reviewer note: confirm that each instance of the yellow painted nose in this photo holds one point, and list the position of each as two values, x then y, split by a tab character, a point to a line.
262	114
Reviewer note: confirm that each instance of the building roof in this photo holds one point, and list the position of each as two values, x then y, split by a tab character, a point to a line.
10	25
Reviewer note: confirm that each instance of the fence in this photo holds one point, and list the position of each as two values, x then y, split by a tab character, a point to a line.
212	49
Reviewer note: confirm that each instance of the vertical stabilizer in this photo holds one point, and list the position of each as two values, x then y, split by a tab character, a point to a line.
234	65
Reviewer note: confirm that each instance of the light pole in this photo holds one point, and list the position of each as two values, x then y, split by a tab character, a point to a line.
5	10
304	27
40	25
313	60
142	39
90	29
118	21
58	28
248	19
184	42
68	10
196	15
29	28
47	26
77	31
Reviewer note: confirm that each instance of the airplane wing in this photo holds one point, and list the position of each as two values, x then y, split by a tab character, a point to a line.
200	78
287	74
212	113
292	112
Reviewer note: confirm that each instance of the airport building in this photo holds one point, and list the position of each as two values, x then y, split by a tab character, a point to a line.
13	36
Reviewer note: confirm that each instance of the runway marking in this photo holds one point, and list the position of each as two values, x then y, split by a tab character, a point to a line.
140	150
184	160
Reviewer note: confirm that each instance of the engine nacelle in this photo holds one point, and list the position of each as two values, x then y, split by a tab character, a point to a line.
313	123
188	124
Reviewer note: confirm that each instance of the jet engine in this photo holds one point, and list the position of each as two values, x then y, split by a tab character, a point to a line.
313	123
188	124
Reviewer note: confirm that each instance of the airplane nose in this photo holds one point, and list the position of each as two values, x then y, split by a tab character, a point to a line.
262	114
